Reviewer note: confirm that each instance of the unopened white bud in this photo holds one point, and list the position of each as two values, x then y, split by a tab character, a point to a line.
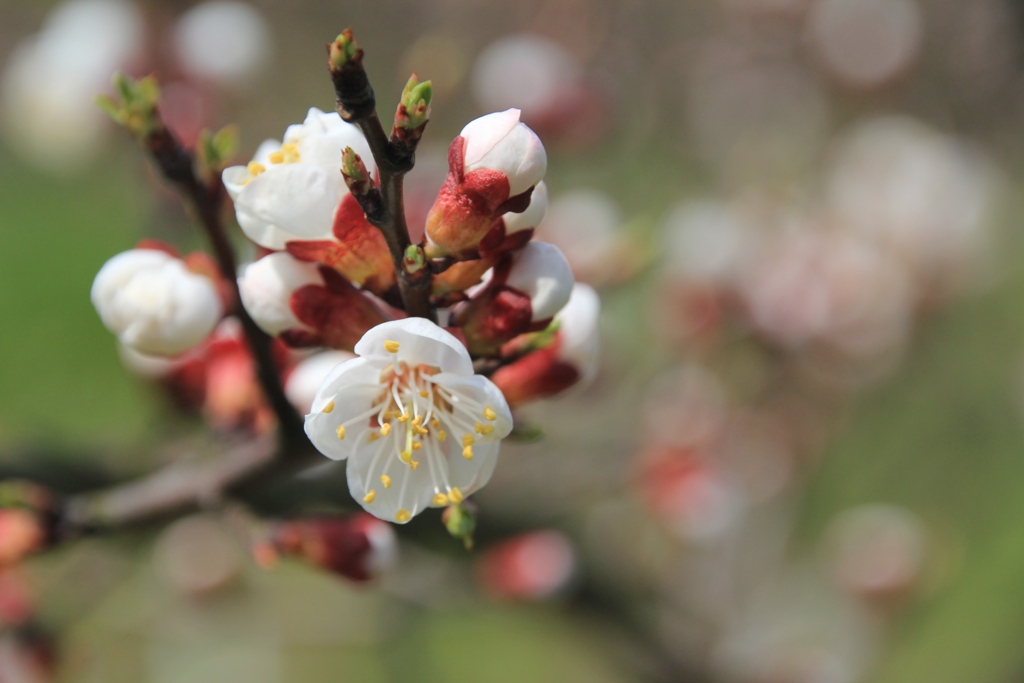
541	272
501	143
153	303
534	214
577	327
267	286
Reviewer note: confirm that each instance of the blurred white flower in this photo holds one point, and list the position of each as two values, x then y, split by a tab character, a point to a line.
867	43
526	71
586	225
925	194
225	41
51	79
876	551
307	376
709	242
154	304
419	429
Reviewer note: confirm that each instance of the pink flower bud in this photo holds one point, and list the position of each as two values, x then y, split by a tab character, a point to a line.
154	303
492	166
532	566
359	547
21	534
513	230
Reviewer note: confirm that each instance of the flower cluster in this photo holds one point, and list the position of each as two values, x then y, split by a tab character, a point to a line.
420	409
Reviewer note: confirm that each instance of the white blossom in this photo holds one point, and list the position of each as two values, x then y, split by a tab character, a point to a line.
226	41
419	429
291	190
154	304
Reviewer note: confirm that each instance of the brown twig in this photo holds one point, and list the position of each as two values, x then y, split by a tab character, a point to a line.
178	486
357	104
205	200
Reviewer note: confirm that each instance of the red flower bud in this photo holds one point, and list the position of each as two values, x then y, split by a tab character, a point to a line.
358	547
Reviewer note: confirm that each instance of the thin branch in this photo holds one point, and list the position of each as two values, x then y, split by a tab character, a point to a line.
178	486
357	104
205	200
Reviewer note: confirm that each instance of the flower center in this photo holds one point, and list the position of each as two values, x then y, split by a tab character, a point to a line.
288	154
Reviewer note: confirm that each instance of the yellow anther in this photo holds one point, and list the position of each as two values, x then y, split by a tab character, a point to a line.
386	480
435	423
455	495
468	440
424	393
489	414
341	431
422	431
478	428
385	429
402	516
391	346
440	499
370	496
290	148
487	429
467	452
374	436
405	456
414	464
277	158
442	435
329	407
403	417
417	420
255	168
416	445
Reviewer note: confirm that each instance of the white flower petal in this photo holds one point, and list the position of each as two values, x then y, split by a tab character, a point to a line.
541	272
534	214
421	342
500	142
578	332
410	489
483	133
475	393
469	476
346	395
287	202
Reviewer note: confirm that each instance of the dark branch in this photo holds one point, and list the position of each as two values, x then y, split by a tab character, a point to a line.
176	165
358	105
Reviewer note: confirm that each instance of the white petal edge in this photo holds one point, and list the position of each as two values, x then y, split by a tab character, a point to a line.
420	342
